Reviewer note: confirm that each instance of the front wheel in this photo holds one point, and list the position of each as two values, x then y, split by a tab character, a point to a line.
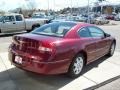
112	49
76	66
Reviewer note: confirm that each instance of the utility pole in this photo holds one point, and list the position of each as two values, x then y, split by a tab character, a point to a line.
71	7
88	12
48	8
54	5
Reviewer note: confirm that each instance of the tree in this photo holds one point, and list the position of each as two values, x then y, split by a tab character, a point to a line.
31	5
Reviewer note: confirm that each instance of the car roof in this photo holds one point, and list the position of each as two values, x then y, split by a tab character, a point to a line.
81	24
72	22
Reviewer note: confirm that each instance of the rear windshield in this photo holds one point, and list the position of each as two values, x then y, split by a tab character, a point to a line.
54	29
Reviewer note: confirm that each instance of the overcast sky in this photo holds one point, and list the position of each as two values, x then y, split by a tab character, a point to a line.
43	4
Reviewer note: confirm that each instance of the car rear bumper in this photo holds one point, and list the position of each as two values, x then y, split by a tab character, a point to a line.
29	64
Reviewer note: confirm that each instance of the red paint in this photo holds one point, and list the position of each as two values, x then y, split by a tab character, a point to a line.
60	51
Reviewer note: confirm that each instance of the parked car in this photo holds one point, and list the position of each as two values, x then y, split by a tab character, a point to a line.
100	21
62	47
77	18
17	23
59	18
117	17
40	16
110	17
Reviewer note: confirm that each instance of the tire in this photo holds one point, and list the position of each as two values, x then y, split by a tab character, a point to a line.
112	49
35	26
76	66
28	31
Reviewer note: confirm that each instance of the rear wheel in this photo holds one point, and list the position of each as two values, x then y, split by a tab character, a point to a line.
35	26
112	49
76	66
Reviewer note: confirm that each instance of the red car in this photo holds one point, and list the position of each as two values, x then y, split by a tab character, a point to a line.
62	47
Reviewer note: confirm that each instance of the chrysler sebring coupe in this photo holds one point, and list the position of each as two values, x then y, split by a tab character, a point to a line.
62	47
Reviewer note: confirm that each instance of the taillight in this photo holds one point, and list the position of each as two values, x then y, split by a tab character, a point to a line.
42	48
45	47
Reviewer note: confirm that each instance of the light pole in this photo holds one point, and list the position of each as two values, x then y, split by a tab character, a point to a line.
71	7
88	12
48	8
54	5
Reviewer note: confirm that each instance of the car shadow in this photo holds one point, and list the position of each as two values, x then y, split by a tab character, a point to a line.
94	64
25	80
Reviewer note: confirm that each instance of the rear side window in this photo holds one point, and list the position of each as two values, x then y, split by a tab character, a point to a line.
84	32
18	18
96	32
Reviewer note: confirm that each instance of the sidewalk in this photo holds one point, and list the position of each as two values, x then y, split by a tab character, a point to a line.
12	78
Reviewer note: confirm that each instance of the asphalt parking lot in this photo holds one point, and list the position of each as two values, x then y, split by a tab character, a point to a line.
12	78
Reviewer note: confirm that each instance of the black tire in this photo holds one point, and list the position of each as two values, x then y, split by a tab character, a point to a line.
112	49
35	26
71	71
28	31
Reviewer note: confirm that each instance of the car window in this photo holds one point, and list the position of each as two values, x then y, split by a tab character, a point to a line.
63	29
54	29
1	18
48	30
9	18
18	18
84	32
96	32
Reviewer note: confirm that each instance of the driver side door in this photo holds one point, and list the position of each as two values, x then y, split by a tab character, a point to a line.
8	24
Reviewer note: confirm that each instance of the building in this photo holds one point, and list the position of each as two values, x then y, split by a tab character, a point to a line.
106	7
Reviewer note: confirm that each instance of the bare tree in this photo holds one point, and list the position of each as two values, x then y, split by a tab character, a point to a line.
31	5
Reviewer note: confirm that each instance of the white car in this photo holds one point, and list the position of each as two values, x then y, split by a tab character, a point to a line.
100	21
17	23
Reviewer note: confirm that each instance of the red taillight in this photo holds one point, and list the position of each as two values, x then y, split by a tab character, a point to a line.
42	48
45	47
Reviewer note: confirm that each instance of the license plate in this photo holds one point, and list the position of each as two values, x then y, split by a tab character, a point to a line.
18	59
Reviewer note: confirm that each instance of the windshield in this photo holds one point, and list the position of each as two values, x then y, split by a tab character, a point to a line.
54	29
1	18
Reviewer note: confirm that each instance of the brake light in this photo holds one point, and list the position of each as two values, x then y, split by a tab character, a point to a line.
45	47
41	48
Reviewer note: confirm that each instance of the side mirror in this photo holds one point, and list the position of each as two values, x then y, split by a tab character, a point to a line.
107	35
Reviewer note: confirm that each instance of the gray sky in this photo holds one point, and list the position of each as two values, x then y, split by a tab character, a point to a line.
43	4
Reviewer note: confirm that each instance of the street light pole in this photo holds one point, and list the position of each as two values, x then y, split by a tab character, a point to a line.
54	5
48	6
71	7
88	12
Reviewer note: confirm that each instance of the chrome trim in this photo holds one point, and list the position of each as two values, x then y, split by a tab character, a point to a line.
98	50
50	62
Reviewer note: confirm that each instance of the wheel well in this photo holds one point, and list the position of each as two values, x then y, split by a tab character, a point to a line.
0	31
84	54
35	25
114	41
